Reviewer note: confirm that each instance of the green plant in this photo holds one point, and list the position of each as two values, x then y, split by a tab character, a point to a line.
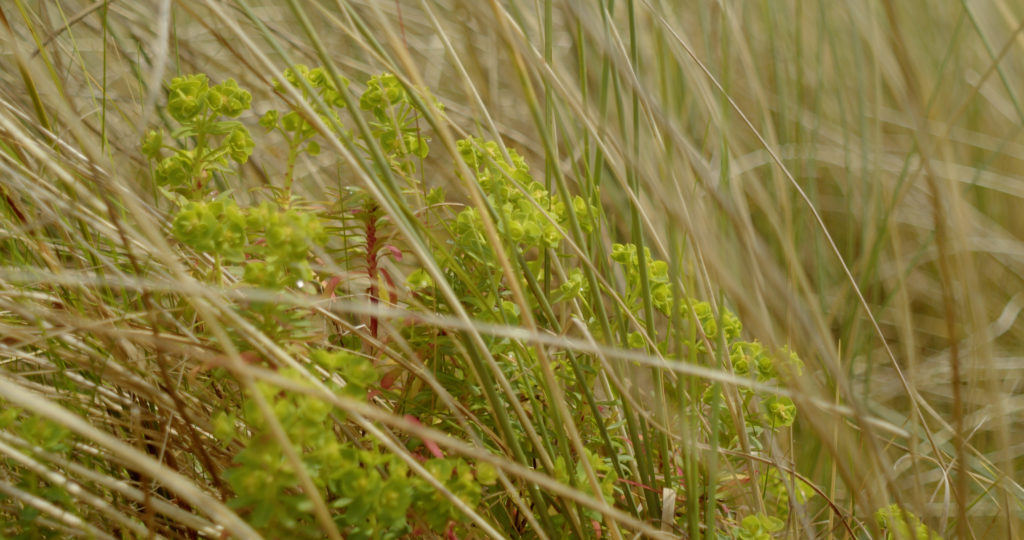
757	527
518	315
899	524
268	246
199	109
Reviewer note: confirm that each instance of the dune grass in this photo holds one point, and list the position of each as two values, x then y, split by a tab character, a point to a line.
703	269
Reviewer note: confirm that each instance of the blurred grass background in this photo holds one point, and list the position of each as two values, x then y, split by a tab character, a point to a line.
847	176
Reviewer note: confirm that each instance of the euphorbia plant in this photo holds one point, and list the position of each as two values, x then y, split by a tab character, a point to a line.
280	244
200	109
269	246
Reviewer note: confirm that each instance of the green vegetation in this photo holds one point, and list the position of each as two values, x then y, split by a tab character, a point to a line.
574	271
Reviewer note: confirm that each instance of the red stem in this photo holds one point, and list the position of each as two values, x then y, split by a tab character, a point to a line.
371	263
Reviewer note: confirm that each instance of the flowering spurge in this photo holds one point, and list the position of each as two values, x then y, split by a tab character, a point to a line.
371	493
277	244
270	246
216	142
528	214
394	120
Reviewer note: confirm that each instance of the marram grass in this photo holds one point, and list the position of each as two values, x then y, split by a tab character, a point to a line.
544	269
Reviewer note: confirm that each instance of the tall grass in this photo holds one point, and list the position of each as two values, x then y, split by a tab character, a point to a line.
844	177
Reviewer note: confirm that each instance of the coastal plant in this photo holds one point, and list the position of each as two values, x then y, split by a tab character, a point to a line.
469	270
272	246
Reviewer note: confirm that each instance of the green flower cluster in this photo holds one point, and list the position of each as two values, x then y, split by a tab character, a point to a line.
749	359
757	527
275	242
517	199
296	129
900	524
574	286
198	107
217	227
661	291
779	411
520	203
227	99
355	369
383	91
265	485
628	257
185	96
176	171
319	80
239	145
779	488
192	96
394	111
731	325
280	247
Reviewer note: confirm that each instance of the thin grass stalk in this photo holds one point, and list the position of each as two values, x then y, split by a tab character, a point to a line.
180	485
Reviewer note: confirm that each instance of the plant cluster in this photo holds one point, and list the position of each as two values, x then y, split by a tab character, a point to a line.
313	302
273	246
36	436
349	246
371	493
270	246
899	524
500	396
